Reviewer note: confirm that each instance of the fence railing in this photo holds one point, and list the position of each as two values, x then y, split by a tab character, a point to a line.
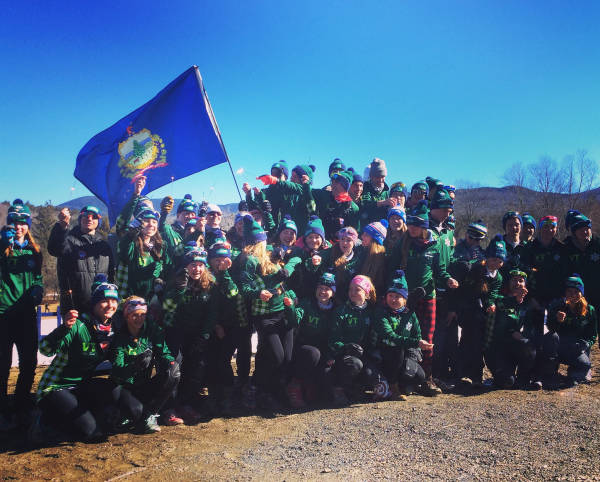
41	314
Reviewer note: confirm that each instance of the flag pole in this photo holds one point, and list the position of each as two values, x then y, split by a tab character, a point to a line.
216	127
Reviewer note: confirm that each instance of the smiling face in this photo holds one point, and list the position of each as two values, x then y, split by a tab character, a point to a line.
515	283
88	222
149	227
135	321
324	293
573	295
337	188
378	181
357	295
105	309
513	227
547	232
583	234
396	222
195	269
21	229
313	241
528	232
395	300
287	237
213	219
184	216
346	245
356	190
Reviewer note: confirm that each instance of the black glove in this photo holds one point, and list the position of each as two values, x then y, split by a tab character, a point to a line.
243	206
143	360
278	254
171	370
282	274
353	349
266	206
414	297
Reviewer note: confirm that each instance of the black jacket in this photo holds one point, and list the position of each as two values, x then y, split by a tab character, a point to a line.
80	258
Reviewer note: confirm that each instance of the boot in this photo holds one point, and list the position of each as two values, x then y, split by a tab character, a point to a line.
397	393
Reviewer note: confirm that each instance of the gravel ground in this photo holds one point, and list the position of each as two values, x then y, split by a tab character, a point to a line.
489	436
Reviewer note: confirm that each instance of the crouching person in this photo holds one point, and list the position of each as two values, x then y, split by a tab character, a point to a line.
348	337
573	326
69	395
398	334
510	349
136	349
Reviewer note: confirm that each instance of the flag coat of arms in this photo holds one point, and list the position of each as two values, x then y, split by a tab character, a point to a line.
170	137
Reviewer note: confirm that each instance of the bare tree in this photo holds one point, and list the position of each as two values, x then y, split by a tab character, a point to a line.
581	175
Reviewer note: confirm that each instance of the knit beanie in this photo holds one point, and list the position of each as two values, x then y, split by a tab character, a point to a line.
450	222
442	200
195	255
282	166
191	222
344	178
93	210
517	272
398	187
399	284
528	219
102	289
336	165
148	213
511	214
377	230
571	213
450	188
575	281
377	168
356	177
219	250
253	232
434	183
477	230
364	282
420	186
315	225
307	169
419	215
348	232
18	212
187	204
240	215
579	220
327	279
551	220
287	223
496	249
397	211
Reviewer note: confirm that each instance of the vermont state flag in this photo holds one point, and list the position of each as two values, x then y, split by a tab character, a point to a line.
170	137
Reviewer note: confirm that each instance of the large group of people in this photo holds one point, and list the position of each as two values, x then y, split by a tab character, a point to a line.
356	290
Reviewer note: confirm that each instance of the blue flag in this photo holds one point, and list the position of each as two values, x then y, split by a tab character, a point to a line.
170	137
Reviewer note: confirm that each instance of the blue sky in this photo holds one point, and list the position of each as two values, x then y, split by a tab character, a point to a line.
456	90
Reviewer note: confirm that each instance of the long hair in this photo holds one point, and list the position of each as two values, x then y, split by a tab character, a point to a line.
31	244
155	251
206	280
339	259
579	307
259	251
374	264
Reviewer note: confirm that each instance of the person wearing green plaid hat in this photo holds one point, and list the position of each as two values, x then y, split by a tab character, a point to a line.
81	254
70	393
142	254
21	290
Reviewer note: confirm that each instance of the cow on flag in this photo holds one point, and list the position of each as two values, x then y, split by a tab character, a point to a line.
170	137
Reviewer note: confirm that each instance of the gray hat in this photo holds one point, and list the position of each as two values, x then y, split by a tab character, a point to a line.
378	168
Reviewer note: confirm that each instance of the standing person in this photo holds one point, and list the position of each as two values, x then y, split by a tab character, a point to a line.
573	325
335	167
280	171
528	231
69	394
356	188
138	347
512	223
82	254
212	230
21	290
418	192
373	265
398	192
583	252
398	336
396	229
174	234
469	248
376	194
433	185
419	257
142	257
261	282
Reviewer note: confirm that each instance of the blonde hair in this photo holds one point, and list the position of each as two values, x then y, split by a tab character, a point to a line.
206	280
374	264
259	251
32	244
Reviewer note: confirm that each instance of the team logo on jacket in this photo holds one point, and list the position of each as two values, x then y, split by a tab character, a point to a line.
140	152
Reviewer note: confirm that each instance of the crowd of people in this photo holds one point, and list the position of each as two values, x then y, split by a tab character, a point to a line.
356	290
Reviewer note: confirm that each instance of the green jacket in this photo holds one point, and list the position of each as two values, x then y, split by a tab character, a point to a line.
587	264
78	353
331	211
20	277
369	211
396	329
297	202
445	239
314	324
191	309
350	325
547	268
583	328
125	349
508	320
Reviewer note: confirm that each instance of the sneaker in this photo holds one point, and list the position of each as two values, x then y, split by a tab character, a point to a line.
150	425
294	394
189	415
466	381
430	389
381	391
249	396
339	397
170	418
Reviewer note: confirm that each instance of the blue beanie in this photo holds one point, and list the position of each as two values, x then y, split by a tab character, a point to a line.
496	249
575	281
397	211
102	290
399	284
511	214
219	250
377	230
282	166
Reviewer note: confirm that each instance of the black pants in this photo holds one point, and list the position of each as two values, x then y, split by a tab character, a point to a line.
219	369
512	356
470	350
305	362
401	366
19	327
344	371
137	402
445	340
274	353
78	410
242	340
572	352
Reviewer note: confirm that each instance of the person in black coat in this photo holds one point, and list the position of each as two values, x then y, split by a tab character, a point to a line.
82	254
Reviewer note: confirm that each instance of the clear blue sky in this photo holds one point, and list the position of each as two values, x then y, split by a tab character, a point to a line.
457	90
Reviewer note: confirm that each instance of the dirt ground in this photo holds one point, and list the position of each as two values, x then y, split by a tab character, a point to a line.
493	435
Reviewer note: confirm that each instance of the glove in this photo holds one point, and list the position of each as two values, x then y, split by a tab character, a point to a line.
267	179
172	371
143	360
37	293
353	349
158	285
243	206
282	274
8	234
278	254
181	279
166	205
266	206
414	297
